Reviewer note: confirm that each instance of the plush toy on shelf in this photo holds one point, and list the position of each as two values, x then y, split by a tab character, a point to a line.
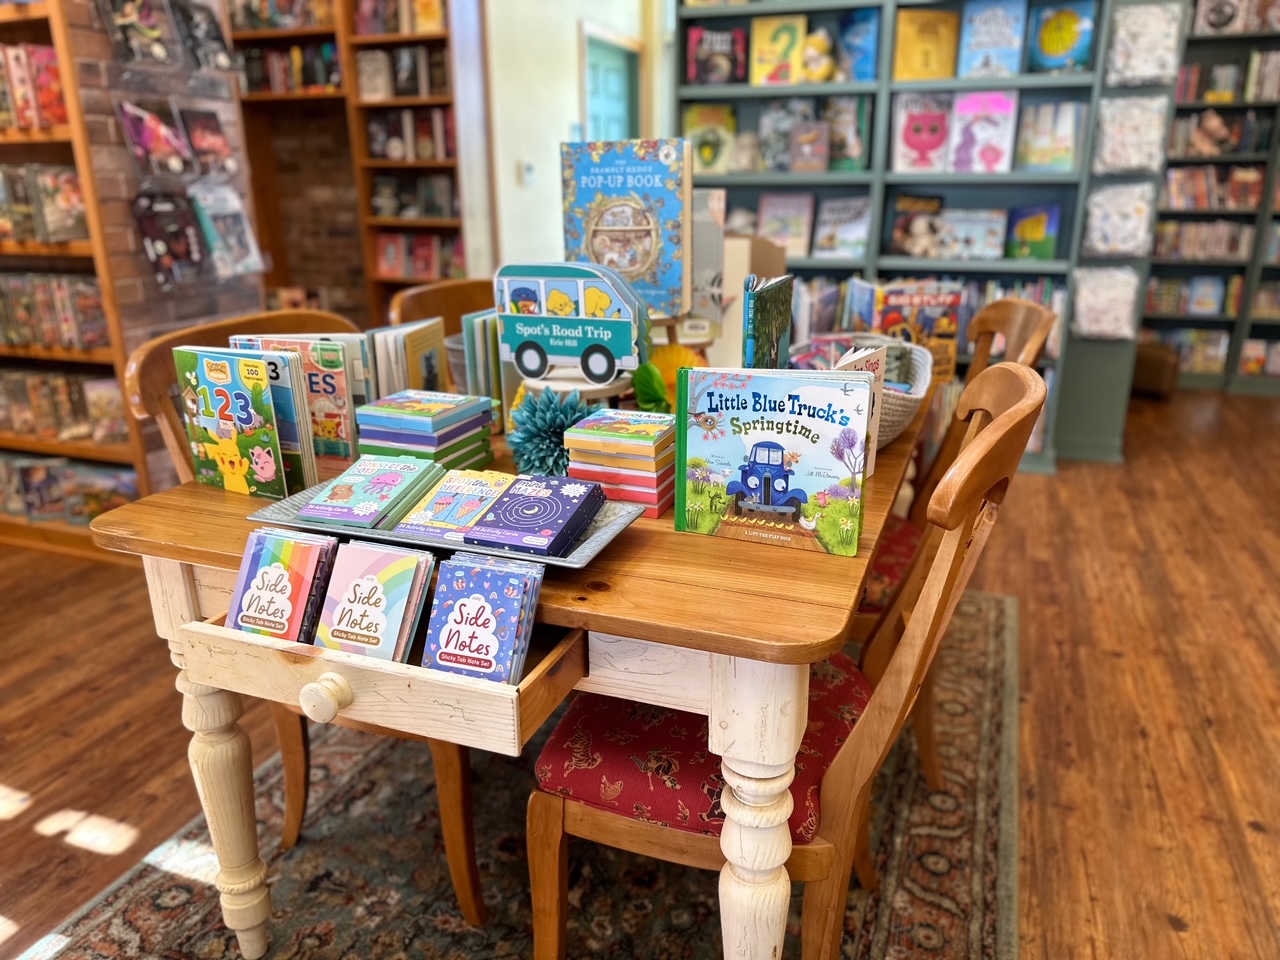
819	64
1210	137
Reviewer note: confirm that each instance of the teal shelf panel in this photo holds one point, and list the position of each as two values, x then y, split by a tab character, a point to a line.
1206	104
1039	267
825	263
1254	386
1220	158
765	8
1219	37
1188	320
1021	177
1163	262
1038	463
832	178
1023	81
1202	381
1224	213
745	91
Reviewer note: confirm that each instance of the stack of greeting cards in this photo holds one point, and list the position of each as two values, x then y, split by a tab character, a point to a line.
482	617
539	515
630	453
375	600
450	508
278	591
373	492
446	428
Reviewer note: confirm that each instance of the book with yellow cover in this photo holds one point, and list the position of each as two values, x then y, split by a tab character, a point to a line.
925	44
777	50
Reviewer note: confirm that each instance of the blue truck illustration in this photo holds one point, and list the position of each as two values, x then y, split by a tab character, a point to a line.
764	485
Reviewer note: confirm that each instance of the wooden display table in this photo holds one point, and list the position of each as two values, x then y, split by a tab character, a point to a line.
719	627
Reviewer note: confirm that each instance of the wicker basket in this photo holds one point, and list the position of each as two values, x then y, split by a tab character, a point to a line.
898	409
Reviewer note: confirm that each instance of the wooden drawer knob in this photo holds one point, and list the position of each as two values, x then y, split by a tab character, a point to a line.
322	699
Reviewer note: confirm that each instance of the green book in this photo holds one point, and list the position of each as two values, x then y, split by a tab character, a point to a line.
766	322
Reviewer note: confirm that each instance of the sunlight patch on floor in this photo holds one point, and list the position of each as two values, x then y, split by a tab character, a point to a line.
46	948
89	831
7	929
186	858
12	802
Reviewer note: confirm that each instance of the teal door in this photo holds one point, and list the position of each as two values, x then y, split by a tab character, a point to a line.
612	97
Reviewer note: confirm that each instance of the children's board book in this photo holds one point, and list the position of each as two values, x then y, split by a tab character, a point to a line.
972	234
482	617
777	50
991	33
449	508
844	223
766	322
646	462
716	56
373	492
1061	37
605	475
918	311
538	515
774	457
374	600
982	128
1033	232
850	121
422	411
627	206
712	128
410	356
231	421
277	590
870	360
921	131
622	431
859	43
787	220
925	44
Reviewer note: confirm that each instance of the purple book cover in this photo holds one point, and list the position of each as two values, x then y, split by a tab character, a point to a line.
386	434
475	627
539	515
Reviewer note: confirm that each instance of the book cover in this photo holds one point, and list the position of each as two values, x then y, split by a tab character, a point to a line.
277	581
22	91
810	146
859	36
155	138
1206	295
367	492
850	122
231	421
925	44
844	224
171	238
453	505
427	16
42	63
766	321
1253	358
1033	232
538	515
374	600
476	627
227	233
1048	136
58	203
424	411
787	220
921	131
777	50
716	56
776	120
711	128
872	360
1061	37
991	33
982	132
774	457
622	431
627	206
972	234
606	475
209	142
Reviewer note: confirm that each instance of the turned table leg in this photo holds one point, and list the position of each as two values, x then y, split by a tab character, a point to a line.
758	714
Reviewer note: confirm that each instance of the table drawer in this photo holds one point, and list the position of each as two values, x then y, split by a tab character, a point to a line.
332	684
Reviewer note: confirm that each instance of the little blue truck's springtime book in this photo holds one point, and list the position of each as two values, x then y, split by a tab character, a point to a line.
774	456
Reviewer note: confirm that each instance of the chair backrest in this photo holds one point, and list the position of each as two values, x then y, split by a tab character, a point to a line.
151	380
1001	405
448	298
1025	327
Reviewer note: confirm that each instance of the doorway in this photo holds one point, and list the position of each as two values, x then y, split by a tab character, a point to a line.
611	86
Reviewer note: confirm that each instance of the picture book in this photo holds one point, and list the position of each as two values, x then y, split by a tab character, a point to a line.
209	142
850	121
645	462
872	360
622	431
1061	37
154	137
422	411
774	457
1253	358
19	209
231	421
926	312
227	233
57	203
972	234
810	146
991	33
538	515
711	128
410	356
982	132
135	30
1033	232
449	509
1049	136
787	220
766	322
372	492
777	50
925	44
716	56
776	120
22	91
374	601
171	238
607	474
921	131
859	43
627	206
662	496
42	64
844	223
201	33
1206	296
277	591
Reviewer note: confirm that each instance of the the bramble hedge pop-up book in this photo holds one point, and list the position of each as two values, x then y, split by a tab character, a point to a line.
374	600
276	592
455	503
773	456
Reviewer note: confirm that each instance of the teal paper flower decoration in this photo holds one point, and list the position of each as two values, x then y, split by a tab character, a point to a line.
537	443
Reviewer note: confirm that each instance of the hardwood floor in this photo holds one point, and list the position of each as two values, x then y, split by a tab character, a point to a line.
1150	721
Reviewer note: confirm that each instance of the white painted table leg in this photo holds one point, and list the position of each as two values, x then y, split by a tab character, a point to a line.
758	713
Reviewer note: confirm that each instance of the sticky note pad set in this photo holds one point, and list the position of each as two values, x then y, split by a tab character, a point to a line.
281	578
374	600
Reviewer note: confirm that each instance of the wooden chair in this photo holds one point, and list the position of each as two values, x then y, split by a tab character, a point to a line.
584	769
447	298
151	387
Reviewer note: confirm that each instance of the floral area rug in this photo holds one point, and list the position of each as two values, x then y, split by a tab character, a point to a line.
369	879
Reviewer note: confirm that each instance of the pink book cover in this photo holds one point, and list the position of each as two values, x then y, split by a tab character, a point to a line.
42	62
982	126
21	90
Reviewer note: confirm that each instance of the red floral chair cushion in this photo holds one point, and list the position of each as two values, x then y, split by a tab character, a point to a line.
898	545
650	763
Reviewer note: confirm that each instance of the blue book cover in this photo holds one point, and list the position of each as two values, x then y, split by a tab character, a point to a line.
860	43
424	412
1061	37
476	627
628	206
445	436
991	33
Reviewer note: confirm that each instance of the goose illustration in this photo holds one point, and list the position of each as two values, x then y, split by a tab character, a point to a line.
811	525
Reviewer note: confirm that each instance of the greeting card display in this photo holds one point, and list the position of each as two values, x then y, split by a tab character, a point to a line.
135	30
170	238
538	515
202	34
276	592
232	246
374	600
209	142
155	139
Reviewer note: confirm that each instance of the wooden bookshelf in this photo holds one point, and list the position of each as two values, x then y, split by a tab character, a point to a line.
23	12
372	163
78	449
58	536
103	356
281	34
291	96
414	223
392	102
33	248
59	133
396	39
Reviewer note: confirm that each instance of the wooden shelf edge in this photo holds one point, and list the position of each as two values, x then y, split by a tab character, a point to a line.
34	248
373	163
59	133
415	223
442	100
374	39
120	453
281	33
23	12
99	355
262	96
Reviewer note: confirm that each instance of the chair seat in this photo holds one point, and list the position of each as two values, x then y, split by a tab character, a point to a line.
651	763
898	545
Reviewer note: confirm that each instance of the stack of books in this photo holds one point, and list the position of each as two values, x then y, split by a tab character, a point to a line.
630	453
445	428
374	492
